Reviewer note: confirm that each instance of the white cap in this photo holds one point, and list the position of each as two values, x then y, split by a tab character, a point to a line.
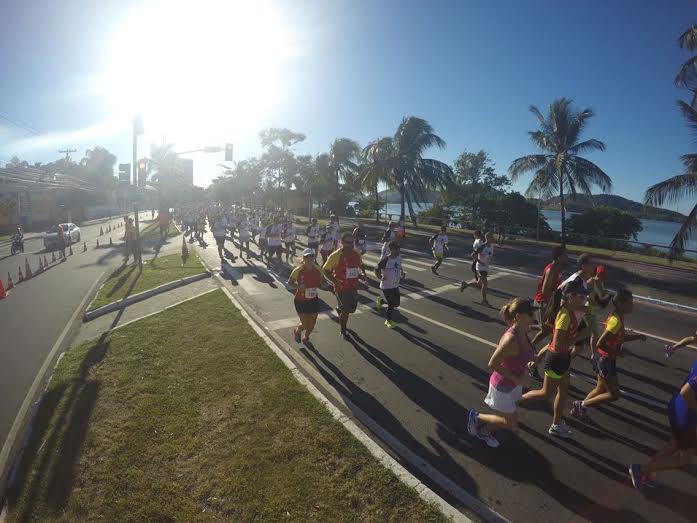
308	252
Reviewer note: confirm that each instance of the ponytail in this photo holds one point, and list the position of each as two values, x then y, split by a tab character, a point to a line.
508	312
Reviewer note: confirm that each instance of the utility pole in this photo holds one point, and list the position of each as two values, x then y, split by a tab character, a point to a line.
137	129
67	153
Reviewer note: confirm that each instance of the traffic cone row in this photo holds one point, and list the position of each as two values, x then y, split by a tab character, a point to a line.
27	270
21	276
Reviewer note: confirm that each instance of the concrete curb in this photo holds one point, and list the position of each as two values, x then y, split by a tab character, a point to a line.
135	298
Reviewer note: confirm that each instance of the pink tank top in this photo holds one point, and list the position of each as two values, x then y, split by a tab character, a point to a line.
517	363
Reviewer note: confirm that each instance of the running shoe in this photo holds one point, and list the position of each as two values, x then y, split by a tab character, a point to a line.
635	476
306	340
534	373
389	324
463	286
345	335
669	351
378	303
489	439
434	271
578	411
650	481
296	335
486	303
472	423
560	430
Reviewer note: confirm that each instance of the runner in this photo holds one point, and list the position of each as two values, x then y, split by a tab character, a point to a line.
243	227
558	358
129	238
305	279
478	239
263	241
609	344
389	235
682	416
598	298
508	374
328	242
359	237
312	233
439	246
289	240
274	233
342	269
670	349
389	271
482	254
219	227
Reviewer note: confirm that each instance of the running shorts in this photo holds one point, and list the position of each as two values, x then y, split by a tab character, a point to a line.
505	401
483	273
540	308
438	257
685	436
290	246
347	300
474	268
392	297
275	250
262	243
313	245
307	306
556	364
220	241
607	367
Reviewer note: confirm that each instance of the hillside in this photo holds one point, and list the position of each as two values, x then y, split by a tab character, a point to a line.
392	196
581	202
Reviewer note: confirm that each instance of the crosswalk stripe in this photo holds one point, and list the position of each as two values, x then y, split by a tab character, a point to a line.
376	260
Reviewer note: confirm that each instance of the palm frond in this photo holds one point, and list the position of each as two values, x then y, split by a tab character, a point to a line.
672	190
585	173
587	146
524	164
688	40
677	246
690	116
687	74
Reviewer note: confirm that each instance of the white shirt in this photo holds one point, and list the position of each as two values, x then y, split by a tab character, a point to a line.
220	226
486	252
289	235
439	243
391	272
312	232
274	238
244	229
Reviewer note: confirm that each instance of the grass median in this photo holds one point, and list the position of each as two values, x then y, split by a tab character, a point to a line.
128	279
187	415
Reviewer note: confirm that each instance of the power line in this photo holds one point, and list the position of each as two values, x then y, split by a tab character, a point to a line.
19	124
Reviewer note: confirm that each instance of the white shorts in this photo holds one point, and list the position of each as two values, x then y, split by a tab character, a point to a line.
506	402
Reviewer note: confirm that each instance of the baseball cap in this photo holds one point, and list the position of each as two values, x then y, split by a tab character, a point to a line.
308	252
576	287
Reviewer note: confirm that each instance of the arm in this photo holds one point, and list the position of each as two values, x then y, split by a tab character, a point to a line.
547	286
633	337
685	341
506	348
380	266
688	394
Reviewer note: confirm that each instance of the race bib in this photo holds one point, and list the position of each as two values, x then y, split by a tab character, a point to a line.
311	293
352	273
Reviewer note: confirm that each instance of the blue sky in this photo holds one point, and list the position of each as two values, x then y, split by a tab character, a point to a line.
471	68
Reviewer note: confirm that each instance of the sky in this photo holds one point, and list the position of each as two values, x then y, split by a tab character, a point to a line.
217	71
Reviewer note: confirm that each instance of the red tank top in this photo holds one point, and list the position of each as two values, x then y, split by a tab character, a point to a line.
539	297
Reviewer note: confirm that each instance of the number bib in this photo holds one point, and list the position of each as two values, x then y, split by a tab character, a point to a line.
311	293
352	273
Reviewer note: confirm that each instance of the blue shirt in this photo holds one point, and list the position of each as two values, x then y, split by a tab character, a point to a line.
682	416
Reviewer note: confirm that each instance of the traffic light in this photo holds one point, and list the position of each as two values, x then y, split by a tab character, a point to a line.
228	152
142	172
125	173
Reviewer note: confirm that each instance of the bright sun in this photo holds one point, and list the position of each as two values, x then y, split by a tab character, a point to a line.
199	72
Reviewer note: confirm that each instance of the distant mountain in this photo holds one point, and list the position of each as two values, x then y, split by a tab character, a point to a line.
581	202
392	196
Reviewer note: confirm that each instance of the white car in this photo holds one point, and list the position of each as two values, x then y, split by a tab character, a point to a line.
71	233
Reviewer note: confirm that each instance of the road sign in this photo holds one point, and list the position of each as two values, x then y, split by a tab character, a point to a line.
125	173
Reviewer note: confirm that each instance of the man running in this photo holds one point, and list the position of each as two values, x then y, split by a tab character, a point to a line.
670	349
389	235
343	269
682	416
219	227
483	252
305	279
244	231
389	271
359	237
439	246
328	243
273	237
312	233
289	240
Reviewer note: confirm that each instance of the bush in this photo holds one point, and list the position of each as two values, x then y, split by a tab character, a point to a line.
606	222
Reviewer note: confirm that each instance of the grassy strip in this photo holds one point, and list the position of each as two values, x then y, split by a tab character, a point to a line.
160	421
128	279
152	231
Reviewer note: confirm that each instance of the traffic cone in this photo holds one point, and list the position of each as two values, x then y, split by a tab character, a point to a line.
97	244
27	270
45	261
3	294
53	257
84	247
41	266
70	249
111	243
101	231
21	276
10	283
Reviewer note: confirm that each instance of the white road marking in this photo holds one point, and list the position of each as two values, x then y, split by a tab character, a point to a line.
656	337
376	259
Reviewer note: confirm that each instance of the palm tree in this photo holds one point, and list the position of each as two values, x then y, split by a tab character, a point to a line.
344	155
375	168
163	164
678	187
559	168
687	75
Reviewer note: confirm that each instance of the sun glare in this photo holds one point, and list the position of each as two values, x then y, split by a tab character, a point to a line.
201	71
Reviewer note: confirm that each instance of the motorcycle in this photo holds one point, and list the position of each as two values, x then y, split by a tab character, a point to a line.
17	245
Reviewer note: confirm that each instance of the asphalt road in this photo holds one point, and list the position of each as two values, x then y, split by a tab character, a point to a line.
418	380
37	311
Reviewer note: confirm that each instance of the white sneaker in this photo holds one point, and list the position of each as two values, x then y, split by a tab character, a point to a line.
560	430
489	439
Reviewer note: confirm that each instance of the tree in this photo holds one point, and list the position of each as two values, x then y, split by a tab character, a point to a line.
560	167
99	163
344	155
375	169
475	184
687	74
678	187
278	158
606	222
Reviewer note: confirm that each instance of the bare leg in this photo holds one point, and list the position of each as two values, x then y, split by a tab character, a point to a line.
560	400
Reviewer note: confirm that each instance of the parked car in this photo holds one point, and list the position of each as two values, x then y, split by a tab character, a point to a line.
71	233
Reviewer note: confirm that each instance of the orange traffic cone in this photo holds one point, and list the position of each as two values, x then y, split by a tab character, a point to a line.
3	294
10	283
53	257
45	261
101	231
21	276
84	247
70	249
27	270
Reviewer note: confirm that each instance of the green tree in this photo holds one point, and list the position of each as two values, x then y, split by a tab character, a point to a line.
476	183
679	187
606	222
376	169
344	155
687	74
278	159
560	167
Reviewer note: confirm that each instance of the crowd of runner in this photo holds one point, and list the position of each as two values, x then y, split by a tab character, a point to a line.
565	312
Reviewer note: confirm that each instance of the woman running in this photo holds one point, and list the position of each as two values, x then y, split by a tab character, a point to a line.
507	379
289	240
670	349
682	416
558	358
439	246
598	298
305	279
609	347
244	229
389	271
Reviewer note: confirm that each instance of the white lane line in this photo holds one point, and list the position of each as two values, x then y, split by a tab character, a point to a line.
425	293
661	338
38	380
488	343
406	265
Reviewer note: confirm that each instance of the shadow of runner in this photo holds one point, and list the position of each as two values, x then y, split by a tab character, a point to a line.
123	278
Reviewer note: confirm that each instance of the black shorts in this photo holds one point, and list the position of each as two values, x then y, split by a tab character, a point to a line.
474	267
607	367
556	364
392	297
313	245
307	306
262	243
275	250
483	273
685	436
347	300
220	240
290	246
